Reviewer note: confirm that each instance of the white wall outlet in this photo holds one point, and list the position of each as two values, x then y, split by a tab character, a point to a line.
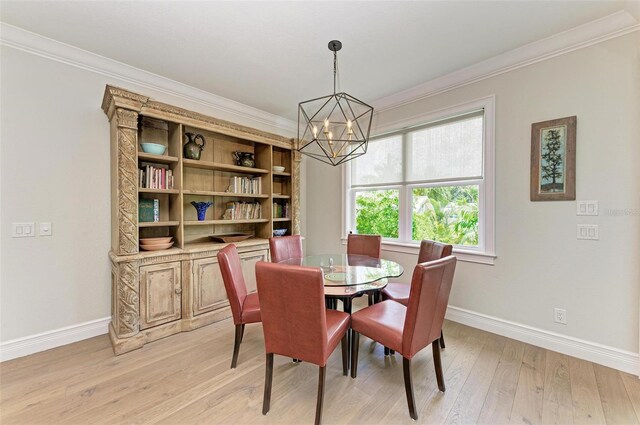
588	232
560	315
23	230
587	208
45	229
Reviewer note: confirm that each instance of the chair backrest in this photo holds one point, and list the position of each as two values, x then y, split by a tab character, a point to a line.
285	247
432	250
293	311
234	283
428	299
369	245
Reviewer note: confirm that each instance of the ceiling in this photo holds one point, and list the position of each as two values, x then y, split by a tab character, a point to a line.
272	55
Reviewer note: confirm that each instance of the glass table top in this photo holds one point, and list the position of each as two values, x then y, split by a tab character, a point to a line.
342	270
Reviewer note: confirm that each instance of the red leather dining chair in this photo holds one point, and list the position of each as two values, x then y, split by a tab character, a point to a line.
409	329
369	245
396	291
296	323
245	307
285	247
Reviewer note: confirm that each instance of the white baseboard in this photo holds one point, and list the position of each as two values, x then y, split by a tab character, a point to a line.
625	361
51	339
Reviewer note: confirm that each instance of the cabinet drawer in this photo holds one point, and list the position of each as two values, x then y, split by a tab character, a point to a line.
160	294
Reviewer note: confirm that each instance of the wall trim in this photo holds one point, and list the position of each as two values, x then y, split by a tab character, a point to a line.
615	25
30	42
616	358
51	339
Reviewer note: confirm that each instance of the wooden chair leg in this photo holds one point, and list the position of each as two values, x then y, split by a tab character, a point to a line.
268	378
371	299
438	364
242	333
442	340
321	377
236	346
386	351
355	345
391	352
345	354
408	386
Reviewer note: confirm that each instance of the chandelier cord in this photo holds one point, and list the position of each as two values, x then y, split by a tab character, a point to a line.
335	67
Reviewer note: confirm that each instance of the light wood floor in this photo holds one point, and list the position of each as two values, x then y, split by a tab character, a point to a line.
186	379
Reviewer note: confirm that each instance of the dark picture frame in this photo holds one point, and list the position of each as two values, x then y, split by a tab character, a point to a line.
553	160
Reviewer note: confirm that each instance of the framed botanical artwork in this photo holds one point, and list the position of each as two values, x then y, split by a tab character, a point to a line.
553	160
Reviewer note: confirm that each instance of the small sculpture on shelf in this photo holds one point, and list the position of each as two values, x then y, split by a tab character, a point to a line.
201	208
192	149
244	159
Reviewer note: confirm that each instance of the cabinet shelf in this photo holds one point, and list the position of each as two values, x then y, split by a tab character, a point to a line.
223	194
158	223
281	196
282	219
222	167
276	174
162	159
146	190
209	222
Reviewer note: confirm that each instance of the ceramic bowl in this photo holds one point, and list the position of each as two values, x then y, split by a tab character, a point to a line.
156	247
155	241
278	169
153	148
279	232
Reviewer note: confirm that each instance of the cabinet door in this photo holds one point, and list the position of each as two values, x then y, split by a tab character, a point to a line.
160	289
248	261
208	287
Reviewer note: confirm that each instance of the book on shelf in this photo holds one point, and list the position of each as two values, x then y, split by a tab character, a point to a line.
148	210
242	211
155	176
281	210
245	185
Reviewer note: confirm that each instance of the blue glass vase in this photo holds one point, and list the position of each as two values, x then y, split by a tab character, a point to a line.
201	208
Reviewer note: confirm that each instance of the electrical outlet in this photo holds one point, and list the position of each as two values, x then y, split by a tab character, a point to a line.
588	232
45	229
587	208
560	315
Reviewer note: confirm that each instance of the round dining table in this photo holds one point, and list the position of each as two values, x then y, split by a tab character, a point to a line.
348	276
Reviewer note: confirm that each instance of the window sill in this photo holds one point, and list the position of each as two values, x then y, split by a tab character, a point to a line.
461	254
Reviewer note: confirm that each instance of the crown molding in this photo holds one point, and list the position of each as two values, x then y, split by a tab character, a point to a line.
603	29
27	41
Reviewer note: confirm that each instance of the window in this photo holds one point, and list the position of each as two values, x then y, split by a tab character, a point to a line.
428	181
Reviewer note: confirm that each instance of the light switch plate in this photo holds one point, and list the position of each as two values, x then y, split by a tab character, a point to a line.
588	232
45	229
587	208
23	230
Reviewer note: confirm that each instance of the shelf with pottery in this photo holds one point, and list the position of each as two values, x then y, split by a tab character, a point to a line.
157	293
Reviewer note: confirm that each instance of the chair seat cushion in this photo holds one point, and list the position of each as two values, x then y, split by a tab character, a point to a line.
337	325
382	322
251	309
397	291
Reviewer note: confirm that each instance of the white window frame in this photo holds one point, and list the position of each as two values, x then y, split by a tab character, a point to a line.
484	253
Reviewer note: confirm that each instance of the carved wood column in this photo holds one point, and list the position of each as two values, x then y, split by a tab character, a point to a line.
126	191
297	157
125	311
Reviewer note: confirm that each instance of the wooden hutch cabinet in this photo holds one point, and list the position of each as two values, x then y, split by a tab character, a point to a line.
159	293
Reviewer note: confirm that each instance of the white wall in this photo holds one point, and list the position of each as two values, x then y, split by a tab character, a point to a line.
540	264
55	167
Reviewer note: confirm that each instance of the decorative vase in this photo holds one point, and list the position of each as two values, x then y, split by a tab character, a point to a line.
244	159
201	208
192	149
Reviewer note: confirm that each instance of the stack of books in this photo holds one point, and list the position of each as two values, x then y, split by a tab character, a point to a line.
148	210
281	210
242	211
155	176
246	185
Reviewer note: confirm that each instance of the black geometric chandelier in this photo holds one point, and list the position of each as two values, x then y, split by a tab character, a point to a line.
335	128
